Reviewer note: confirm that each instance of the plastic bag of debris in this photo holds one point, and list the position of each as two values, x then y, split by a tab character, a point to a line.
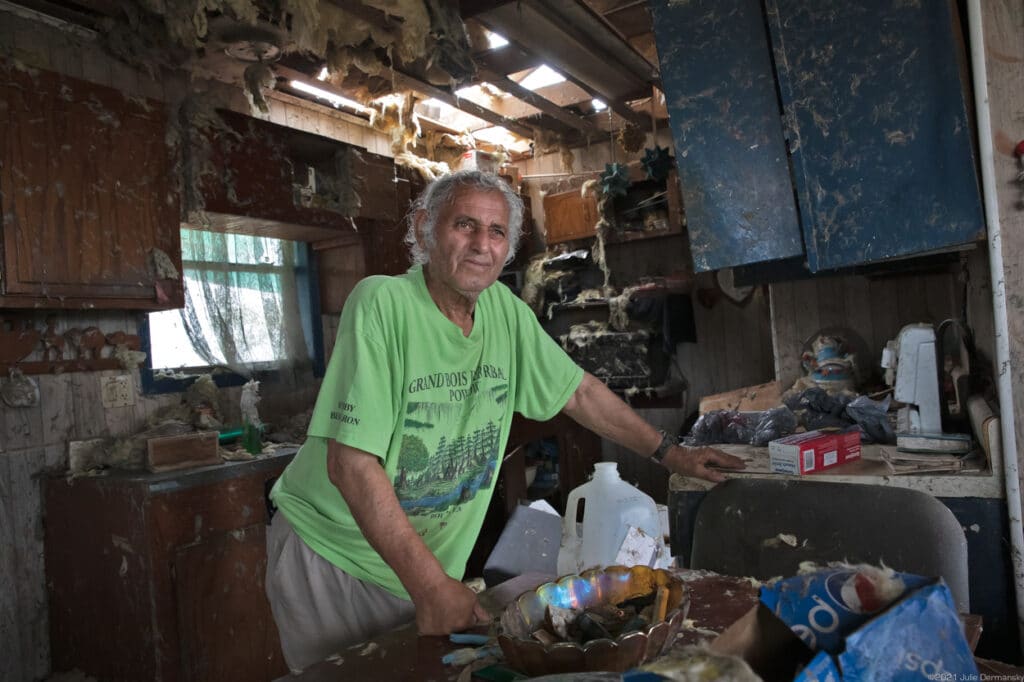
746	428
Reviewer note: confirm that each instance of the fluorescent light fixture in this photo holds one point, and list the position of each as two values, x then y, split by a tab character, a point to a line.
498	135
494	40
542	76
336	101
598	105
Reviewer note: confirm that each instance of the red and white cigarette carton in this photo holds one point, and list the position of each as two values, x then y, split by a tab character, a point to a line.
813	451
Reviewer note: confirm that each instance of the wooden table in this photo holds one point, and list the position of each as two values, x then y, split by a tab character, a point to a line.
715	603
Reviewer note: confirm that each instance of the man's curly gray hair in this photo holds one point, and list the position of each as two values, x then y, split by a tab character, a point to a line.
442	191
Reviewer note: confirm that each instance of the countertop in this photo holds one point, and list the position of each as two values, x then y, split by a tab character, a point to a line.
984	481
166	481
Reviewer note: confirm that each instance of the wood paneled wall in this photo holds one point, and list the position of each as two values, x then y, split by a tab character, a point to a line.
871	311
858	308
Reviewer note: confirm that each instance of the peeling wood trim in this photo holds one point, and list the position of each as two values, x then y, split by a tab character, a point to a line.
47	13
313	106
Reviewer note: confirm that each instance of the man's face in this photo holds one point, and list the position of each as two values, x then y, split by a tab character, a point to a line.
471	242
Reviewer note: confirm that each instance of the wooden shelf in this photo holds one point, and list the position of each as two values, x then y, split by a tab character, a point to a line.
614	237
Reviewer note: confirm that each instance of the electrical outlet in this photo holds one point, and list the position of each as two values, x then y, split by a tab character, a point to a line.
117	391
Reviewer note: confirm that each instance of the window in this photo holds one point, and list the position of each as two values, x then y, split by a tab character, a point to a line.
249	306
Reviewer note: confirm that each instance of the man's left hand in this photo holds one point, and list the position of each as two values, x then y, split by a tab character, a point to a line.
693	461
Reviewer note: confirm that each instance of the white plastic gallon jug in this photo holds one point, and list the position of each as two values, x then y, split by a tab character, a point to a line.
610	507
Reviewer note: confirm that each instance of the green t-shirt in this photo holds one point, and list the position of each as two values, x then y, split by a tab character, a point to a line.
404	384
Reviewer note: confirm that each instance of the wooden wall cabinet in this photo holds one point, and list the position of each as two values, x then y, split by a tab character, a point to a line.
872	157
161	576
86	195
570	215
574	215
280	182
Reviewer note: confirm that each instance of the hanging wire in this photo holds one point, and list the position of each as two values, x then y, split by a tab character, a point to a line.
611	133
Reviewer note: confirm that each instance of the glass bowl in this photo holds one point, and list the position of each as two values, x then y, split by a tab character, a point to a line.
593	588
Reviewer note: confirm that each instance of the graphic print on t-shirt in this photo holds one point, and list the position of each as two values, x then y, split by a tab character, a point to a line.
447	455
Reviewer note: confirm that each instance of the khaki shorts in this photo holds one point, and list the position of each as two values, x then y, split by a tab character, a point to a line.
319	609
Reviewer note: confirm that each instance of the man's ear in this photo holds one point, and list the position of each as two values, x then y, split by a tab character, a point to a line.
418	221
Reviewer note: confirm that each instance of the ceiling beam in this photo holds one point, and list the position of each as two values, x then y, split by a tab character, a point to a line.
592	56
596	33
544	105
404	81
106	7
621	8
507	59
53	14
471	8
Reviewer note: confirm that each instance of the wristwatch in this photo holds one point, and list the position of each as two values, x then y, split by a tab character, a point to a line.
666	443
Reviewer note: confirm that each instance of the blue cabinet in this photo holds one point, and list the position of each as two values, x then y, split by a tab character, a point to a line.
829	130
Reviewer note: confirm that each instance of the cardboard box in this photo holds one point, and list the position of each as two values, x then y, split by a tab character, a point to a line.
748	399
813	451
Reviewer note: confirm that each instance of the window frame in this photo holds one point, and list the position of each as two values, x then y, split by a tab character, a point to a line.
307	284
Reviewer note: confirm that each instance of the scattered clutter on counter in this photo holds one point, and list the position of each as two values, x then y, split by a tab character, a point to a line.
923	411
188	434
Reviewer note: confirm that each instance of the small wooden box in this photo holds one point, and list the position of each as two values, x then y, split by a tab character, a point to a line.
181	452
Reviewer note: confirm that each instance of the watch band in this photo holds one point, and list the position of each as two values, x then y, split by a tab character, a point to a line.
666	443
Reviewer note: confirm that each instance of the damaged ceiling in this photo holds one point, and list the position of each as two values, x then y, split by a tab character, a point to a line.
432	52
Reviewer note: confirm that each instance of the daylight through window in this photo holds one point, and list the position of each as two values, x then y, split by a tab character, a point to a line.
241	306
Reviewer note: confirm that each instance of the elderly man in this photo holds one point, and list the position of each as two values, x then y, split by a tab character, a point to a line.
382	505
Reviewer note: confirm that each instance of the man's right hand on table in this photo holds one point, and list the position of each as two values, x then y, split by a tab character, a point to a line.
448	607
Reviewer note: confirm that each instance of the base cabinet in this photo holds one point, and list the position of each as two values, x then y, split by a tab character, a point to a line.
160	576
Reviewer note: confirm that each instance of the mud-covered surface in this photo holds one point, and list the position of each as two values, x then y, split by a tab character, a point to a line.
879	148
427	37
879	132
728	137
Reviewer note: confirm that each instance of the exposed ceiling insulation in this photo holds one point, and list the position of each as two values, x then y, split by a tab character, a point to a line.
432	49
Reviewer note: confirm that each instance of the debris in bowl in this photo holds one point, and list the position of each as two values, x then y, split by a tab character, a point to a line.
605	619
582	625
